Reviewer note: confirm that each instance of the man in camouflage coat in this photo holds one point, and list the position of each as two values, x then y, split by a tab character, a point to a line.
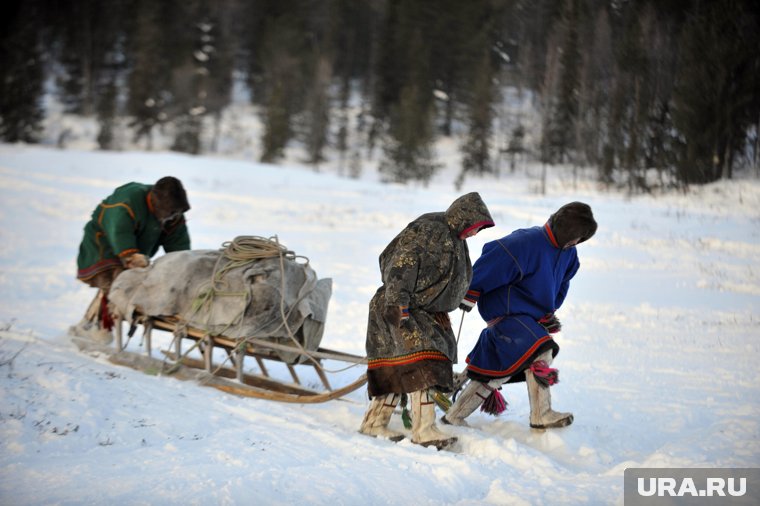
426	271
518	283
125	230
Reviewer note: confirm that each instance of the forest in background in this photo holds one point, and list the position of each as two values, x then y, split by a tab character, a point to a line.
626	87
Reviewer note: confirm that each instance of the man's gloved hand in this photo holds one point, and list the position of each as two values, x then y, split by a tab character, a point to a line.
136	260
396	315
551	323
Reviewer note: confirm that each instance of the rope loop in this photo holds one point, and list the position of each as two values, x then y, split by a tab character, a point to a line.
246	248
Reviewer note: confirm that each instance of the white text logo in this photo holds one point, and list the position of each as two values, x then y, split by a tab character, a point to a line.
671	487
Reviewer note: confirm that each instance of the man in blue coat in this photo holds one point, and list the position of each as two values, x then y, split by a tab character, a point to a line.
518	283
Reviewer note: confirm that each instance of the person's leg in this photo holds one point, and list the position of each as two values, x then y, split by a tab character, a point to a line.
378	416
542	416
92	326
424	430
105	279
471	398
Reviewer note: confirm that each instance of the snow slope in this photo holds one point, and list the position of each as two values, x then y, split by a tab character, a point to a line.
658	362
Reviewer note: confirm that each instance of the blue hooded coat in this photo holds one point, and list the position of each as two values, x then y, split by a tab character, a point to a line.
517	280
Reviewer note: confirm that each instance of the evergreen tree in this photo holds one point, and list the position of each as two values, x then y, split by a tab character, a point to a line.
476	156
548	95
714	87
408	148
21	71
532	25
458	33
595	87
313	123
351	36
191	84
403	102
277	126
633	65
317	110
89	32
561	124
151	67
106	112
224	43
281	57
660	49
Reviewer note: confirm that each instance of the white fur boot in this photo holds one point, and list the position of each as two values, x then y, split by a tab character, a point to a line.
378	416
424	430
542	416
471	398
91	330
89	327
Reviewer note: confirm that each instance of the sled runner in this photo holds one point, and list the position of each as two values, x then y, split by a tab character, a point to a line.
252	299
234	379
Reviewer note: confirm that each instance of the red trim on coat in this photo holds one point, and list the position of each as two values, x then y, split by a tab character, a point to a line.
407	359
515	366
551	234
128	251
149	201
93	270
480	224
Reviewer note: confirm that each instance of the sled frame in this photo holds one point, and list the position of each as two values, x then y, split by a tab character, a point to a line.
234	379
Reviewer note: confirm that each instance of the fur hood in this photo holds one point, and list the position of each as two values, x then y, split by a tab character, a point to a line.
572	221
467	213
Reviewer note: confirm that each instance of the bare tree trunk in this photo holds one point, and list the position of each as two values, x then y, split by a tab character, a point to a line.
543	178
728	157
755	155
217	132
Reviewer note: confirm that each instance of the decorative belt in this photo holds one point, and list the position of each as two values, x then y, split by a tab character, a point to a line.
493	322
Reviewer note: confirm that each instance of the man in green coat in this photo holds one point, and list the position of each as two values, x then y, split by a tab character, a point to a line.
125	230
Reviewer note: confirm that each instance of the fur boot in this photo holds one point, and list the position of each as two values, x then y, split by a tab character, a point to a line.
542	416
470	399
378	416
424	430
89	327
92	331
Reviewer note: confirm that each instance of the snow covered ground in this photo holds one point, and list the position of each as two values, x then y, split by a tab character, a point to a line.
658	363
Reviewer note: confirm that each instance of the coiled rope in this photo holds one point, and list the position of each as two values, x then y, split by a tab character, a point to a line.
246	248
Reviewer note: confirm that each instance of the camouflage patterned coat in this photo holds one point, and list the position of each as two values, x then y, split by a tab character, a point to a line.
427	269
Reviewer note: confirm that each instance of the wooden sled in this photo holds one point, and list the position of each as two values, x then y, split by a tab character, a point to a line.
234	379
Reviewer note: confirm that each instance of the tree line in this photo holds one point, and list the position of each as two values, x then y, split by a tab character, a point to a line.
625	86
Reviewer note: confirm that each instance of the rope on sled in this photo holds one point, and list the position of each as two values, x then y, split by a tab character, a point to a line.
247	248
237	253
298	345
240	252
